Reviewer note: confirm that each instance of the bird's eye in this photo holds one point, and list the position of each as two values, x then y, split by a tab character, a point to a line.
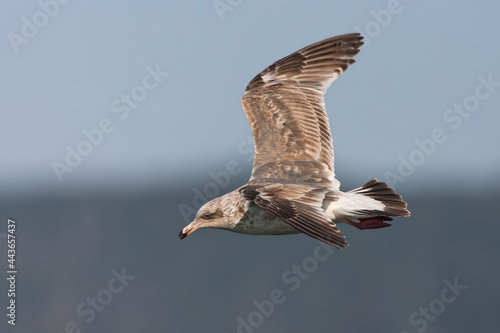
205	216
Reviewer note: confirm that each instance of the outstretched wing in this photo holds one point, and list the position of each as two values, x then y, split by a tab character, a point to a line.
285	107
298	205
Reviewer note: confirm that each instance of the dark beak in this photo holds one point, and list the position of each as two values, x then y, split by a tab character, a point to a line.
183	234
195	225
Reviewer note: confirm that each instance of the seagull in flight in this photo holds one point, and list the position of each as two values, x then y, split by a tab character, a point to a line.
293	188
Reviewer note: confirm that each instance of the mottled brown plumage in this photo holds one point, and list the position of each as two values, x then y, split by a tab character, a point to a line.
301	206
285	107
293	187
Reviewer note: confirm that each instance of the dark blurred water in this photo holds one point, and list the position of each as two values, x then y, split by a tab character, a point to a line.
71	247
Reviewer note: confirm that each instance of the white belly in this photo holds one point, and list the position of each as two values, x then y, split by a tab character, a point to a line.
257	221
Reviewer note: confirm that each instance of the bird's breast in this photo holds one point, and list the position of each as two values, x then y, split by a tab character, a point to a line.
256	221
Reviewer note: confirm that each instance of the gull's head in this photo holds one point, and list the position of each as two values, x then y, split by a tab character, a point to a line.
216	213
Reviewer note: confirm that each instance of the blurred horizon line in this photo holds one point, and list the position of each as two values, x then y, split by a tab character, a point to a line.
157	180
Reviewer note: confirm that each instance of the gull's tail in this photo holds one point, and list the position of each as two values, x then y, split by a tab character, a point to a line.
394	205
372	200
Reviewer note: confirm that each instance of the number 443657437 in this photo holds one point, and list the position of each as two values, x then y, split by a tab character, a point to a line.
11	243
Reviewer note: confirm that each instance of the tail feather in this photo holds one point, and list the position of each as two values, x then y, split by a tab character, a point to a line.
380	191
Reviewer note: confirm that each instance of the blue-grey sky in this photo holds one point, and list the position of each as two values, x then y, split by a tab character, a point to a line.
66	68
